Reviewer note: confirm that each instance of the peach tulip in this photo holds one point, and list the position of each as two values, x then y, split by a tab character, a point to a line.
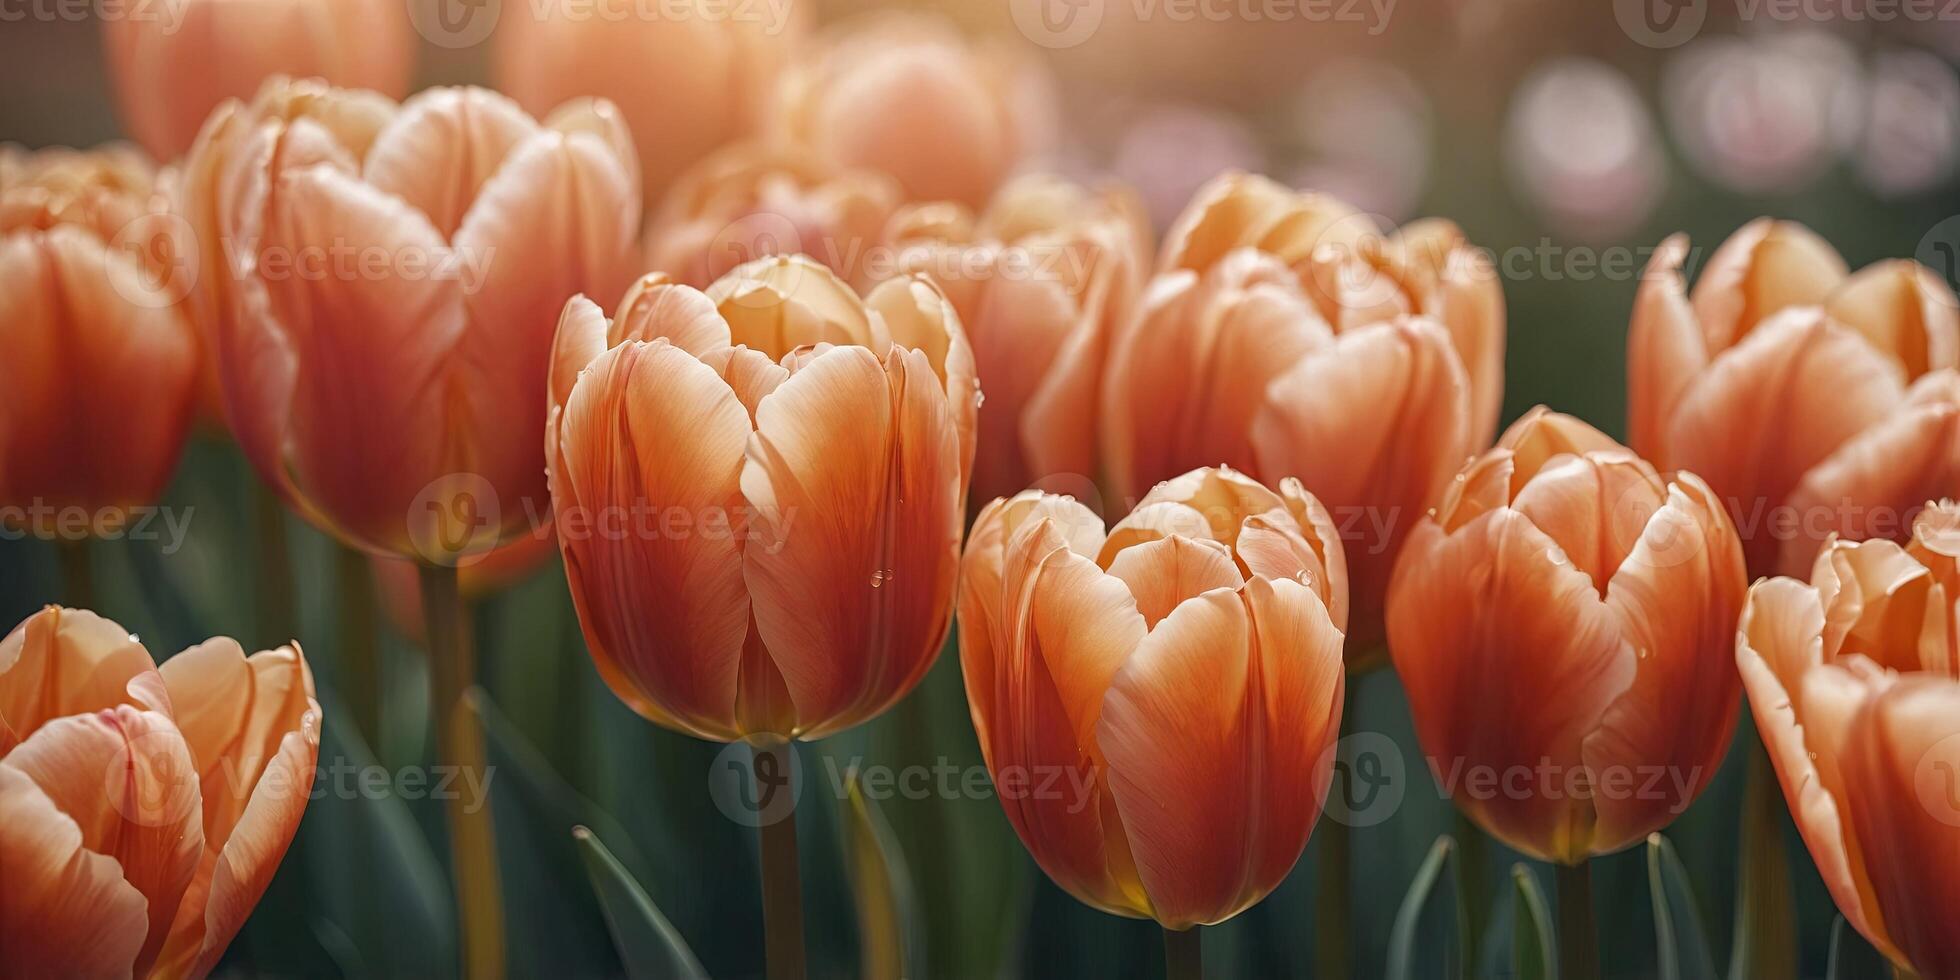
392	274
1158	705
1855	683
142	810
752	200
1043	279
906	94
689	75
1812	401
759	493
96	386
1561	623
172	63
1235	357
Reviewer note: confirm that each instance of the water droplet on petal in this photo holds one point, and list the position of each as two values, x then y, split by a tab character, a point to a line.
877	578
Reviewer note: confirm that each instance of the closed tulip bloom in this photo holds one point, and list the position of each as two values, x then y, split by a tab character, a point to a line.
759	493
753	200
1813	402
394	274
1175	684
174	63
905	94
1043	279
1562	624
142	811
1854	679
97	385
689	75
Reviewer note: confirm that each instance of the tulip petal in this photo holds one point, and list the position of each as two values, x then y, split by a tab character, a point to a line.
1763	268
1019	324
917	315
1163	573
1597	507
65	662
1905	311
776	305
442	147
656	307
68	912
1665	349
578	341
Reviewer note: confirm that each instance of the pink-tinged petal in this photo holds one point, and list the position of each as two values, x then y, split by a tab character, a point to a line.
1541	435
1677	596
603	119
559	219
854	472
1665	349
1019	326
1871	483
442	147
65	662
1765	267
1509	658
126	777
1059	420
750	374
68	912
371	407
1163	573
1904	310
652	438
578	341
1470	304
1482	486
916	315
1217	732
1900	763
1875	602
1772	407
656	307
1374	425
1237	210
1597	508
778	304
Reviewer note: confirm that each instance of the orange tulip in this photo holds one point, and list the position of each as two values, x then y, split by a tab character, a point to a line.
1561	623
392	278
905	94
689	75
751	201
1813	402
1158	706
96	387
1237	357
172	63
759	494
1042	279
142	811
1855	683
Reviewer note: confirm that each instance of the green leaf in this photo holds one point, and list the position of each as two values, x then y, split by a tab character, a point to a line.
1420	930
889	939
1534	941
1681	942
648	944
1852	958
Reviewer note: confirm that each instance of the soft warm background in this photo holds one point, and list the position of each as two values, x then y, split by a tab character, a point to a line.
1539	125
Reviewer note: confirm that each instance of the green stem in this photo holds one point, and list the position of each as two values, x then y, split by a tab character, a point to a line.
782	881
1183	954
77	574
459	737
1765	909
1333	920
1578	937
361	654
279	621
1473	857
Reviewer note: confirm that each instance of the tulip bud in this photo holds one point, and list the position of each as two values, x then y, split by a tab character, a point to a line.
1814	403
689	75
905	94
1138	693
759	494
1562	624
142	811
172	63
1855	684
393	274
96	388
1043	279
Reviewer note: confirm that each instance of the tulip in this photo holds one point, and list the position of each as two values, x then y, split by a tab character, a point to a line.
391	277
1852	679
1235	357
1178	680
1561	624
1812	401
1043	279
172	63
905	94
143	811
689	75
760	492
96	387
752	200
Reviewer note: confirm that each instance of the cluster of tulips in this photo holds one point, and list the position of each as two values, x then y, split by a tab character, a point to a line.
399	312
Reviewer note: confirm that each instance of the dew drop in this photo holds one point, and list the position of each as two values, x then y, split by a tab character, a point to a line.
880	576
1556	555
